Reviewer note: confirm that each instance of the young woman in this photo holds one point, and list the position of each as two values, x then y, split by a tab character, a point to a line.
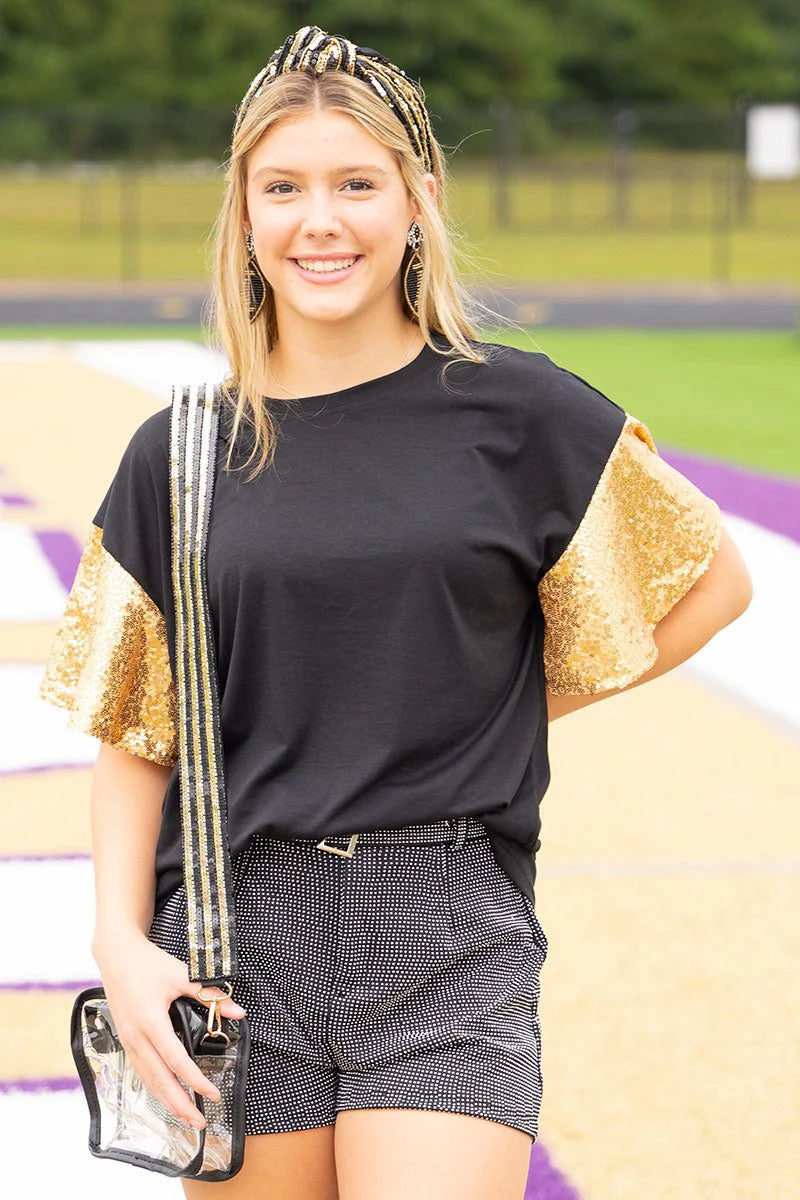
441	545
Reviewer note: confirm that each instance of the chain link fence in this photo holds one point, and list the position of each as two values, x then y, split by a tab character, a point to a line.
132	192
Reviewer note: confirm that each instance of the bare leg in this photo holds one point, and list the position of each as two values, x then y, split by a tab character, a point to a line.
392	1154
278	1166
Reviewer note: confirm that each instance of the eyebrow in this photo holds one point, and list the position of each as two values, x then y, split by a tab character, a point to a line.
269	169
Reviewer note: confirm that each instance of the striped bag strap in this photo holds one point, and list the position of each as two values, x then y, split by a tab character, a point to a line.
194	426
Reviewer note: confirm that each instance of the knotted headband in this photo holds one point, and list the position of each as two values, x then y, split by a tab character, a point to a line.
313	51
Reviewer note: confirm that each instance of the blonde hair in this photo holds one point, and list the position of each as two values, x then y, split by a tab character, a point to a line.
444	307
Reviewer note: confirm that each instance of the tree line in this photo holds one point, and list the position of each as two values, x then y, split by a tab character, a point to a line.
465	52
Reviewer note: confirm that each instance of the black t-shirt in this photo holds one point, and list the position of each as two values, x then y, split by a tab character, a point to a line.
390	599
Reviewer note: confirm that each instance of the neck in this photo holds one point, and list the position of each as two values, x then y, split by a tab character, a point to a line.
312	363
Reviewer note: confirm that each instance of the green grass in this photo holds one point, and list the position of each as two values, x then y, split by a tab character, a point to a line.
731	396
59	226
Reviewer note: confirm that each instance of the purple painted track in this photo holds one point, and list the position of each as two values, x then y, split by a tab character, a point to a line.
63	552
39	1085
767	500
77	856
65	985
545	1181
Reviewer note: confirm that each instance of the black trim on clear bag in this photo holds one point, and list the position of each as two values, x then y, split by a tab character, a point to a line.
189	1020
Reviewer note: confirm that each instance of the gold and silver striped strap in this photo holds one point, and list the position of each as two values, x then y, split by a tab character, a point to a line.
194	425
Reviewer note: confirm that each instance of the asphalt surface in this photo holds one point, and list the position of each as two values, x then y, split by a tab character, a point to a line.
580	307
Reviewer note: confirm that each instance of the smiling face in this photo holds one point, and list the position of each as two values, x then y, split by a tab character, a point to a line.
321	189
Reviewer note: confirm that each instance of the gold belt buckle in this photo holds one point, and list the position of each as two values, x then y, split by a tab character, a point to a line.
348	853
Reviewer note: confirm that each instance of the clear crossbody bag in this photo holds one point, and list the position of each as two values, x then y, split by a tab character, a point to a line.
126	1121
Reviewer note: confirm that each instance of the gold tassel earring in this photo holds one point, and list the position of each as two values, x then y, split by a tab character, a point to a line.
413	271
255	281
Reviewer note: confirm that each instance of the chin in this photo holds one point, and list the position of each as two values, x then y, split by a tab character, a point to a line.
332	311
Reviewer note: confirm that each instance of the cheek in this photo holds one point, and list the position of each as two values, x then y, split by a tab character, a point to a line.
384	241
273	229
385	230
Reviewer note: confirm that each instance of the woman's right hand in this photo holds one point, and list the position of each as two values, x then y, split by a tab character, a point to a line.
141	980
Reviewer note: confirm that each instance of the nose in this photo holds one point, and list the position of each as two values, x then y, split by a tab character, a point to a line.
320	216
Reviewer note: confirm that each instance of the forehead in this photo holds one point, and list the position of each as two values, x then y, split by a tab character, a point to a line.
323	141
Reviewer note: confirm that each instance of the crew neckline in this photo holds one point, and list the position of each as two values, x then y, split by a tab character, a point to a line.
355	393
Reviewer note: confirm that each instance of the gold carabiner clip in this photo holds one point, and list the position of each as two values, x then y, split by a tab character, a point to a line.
214	1015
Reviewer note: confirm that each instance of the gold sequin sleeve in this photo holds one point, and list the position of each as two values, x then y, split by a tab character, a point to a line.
109	664
645	538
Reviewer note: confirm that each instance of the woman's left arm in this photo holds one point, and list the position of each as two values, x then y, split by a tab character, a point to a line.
720	595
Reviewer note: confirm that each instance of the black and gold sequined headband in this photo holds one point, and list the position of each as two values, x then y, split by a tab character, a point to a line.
313	50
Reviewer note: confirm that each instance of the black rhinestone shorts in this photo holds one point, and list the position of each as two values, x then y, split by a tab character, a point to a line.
405	976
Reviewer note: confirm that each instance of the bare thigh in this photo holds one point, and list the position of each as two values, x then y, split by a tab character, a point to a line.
391	1154
278	1166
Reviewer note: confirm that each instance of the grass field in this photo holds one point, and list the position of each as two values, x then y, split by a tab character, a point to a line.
732	396
156	225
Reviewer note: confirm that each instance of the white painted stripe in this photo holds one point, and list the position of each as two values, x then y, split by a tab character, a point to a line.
756	659
30	589
51	943
51	939
153	364
36	733
47	1154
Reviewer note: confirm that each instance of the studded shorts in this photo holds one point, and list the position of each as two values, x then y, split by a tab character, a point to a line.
404	976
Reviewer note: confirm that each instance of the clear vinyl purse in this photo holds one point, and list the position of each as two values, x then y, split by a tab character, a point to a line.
126	1121
130	1124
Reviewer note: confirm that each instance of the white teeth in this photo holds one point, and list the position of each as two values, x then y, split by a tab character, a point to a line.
322	267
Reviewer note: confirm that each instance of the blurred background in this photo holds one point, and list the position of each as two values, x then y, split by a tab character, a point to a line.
626	177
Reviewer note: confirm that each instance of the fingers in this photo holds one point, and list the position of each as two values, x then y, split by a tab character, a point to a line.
140	985
151	1066
228	1007
174	1056
161	1061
